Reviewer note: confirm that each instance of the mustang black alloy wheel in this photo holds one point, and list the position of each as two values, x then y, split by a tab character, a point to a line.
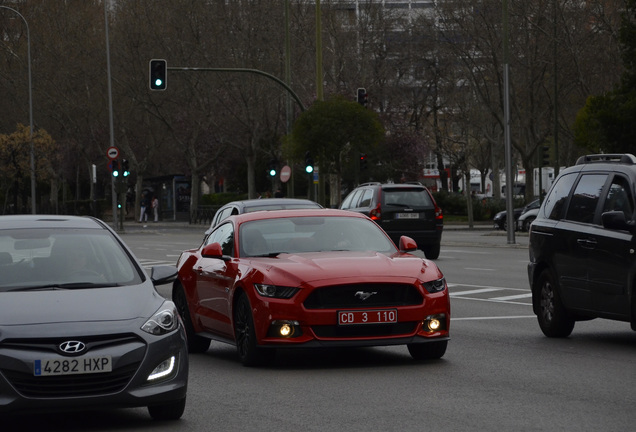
249	353
196	344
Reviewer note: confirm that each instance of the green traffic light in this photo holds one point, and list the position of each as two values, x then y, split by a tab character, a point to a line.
158	83
272	172
309	169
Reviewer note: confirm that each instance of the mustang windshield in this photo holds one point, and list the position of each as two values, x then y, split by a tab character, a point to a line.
58	258
271	237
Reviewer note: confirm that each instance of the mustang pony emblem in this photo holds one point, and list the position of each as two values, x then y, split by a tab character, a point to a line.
363	295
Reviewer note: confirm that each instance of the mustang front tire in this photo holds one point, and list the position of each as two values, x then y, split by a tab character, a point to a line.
428	351
249	353
196	344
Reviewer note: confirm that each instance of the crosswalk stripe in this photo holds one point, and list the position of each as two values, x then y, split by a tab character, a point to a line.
513	297
477	291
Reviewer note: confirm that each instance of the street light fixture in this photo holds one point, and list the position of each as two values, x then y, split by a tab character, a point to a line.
32	162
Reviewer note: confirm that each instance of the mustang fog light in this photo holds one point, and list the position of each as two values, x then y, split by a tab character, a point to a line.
284	328
434	323
163	369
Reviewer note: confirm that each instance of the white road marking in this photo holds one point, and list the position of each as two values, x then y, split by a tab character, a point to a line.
477	291
513	297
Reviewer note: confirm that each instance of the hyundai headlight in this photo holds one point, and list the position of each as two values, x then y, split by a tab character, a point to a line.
163	321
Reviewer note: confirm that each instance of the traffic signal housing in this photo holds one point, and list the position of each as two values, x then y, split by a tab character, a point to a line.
115	167
125	168
309	163
545	156
271	169
362	96
363	161
158	74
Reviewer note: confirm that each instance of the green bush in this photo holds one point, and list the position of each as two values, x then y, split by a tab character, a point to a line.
484	209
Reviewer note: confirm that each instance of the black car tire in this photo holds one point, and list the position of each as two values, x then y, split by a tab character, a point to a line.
526	223
245	335
428	351
553	318
196	344
168	411
432	251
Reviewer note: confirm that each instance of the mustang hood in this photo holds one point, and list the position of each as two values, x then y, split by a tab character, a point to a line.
77	305
320	266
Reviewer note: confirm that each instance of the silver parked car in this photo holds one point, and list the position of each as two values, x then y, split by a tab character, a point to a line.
81	324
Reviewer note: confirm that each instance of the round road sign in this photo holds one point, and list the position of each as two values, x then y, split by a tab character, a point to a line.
285	173
112	152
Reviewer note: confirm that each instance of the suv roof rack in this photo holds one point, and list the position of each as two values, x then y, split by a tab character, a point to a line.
625	158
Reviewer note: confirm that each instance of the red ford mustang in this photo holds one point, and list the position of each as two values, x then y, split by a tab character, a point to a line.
309	278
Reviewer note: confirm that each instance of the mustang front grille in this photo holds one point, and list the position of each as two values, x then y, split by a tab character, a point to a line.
364	295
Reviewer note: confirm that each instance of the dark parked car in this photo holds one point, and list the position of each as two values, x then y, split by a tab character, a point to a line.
582	261
81	324
500	220
401	209
266	204
289	279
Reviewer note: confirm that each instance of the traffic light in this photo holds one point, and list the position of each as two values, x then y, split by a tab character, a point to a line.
271	170
158	74
124	168
309	163
115	167
545	156
362	97
363	161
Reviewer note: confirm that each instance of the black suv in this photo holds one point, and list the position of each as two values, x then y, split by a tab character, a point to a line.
401	209
582	246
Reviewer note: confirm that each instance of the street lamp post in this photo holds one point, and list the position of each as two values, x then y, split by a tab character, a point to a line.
32	162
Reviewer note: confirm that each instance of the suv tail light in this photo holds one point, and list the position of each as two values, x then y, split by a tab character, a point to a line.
438	213
376	213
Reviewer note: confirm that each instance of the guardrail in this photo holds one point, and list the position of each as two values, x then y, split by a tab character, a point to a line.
203	215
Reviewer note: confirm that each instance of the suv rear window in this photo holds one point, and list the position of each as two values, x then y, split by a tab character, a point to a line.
416	197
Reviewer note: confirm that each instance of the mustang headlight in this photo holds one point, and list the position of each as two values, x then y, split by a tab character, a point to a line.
435	286
163	321
274	291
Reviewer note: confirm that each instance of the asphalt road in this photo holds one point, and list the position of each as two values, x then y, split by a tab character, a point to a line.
499	371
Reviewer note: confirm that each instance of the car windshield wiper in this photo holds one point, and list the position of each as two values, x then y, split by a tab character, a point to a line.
399	205
268	255
62	286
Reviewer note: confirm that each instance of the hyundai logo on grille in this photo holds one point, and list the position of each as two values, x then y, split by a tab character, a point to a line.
72	347
363	295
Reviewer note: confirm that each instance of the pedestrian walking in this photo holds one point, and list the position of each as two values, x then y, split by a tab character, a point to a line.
143	215
155	208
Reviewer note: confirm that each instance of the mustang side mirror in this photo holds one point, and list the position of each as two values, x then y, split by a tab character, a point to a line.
214	250
407	244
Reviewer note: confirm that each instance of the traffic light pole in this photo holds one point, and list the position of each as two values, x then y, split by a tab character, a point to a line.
243	70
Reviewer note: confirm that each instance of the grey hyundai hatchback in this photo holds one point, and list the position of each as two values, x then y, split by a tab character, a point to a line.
81	324
582	261
401	209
